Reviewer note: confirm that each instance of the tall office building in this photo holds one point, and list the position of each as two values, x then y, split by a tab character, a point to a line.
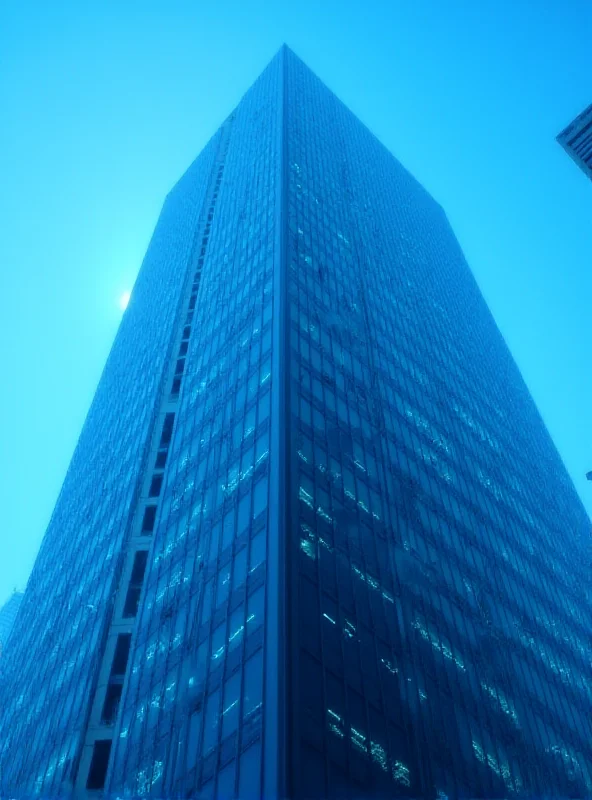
315	540
576	140
8	614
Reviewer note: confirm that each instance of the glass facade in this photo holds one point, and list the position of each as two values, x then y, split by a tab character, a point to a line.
438	582
361	566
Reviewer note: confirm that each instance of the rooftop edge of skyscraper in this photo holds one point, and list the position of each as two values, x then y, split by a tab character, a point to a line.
284	50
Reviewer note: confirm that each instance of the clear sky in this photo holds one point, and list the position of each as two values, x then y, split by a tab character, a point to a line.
104	103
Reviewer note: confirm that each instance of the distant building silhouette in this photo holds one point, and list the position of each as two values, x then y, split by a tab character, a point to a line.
576	140
315	540
8	614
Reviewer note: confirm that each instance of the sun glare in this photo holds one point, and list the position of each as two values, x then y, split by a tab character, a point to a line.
124	300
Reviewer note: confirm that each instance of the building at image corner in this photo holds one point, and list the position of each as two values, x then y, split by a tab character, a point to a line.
576	140
315	540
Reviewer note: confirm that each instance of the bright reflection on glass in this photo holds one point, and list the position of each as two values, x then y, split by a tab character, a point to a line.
124	300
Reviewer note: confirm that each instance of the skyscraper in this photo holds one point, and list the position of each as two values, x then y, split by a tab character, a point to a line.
576	140
315	540
8	614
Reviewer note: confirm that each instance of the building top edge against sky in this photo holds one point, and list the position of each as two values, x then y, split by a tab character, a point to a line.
285	48
583	116
576	140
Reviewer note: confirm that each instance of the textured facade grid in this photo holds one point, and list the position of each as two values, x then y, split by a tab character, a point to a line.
365	567
451	641
576	140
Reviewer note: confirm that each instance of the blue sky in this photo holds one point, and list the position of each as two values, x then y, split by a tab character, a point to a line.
104	105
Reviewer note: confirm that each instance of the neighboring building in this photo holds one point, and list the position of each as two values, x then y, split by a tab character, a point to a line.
8	614
576	140
315	540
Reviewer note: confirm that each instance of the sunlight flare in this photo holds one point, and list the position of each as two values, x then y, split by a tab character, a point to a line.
124	300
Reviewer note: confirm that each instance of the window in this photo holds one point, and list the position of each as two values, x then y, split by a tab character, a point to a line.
211	722
214	542
311	685
250	772
132	601
121	654
199	665
99	764
255	609
111	704
225	789
253	685
239	575
176	386
261	446
223	584
236	628
167	429
149	517
264	406
155	486
258	549
312	779
193	739
135	585
161	458
244	508
230	704
260	497
218	644
206	611
228	529
183	348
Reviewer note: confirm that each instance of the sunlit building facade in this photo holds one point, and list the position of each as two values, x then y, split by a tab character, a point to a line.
576	140
315	540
